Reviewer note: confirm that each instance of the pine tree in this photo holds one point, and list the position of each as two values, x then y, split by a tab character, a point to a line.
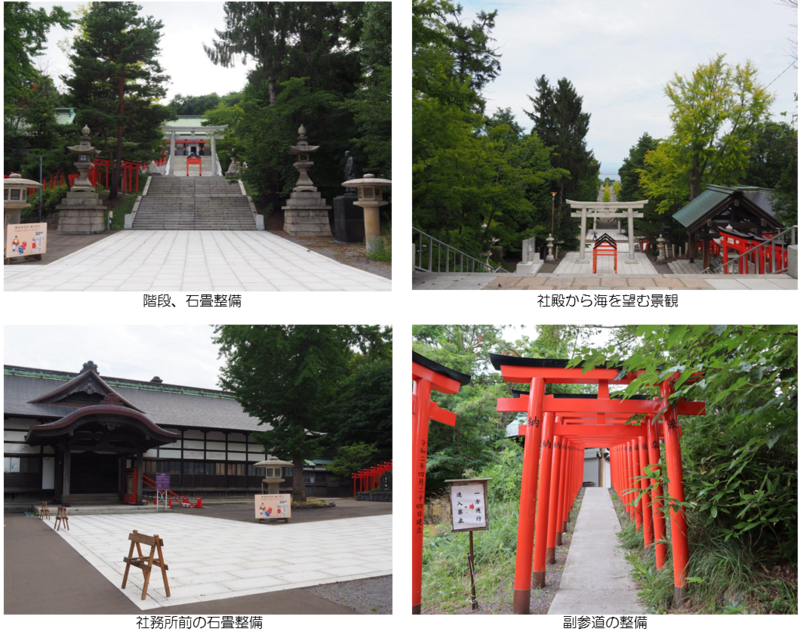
117	80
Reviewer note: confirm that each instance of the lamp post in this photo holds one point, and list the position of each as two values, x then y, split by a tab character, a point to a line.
15	199
370	194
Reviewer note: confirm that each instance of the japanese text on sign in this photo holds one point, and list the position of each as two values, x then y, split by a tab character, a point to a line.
468	506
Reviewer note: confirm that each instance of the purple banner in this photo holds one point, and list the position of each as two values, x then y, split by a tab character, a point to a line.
162	481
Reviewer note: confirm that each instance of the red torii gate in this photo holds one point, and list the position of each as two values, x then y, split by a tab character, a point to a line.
559	427
426	375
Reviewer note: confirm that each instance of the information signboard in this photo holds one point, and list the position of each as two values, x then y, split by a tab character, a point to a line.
469	509
26	240
162	481
273	506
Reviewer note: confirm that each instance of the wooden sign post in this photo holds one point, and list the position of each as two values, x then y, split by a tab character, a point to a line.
469	511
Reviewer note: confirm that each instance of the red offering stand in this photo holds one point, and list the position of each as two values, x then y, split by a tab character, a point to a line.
194	161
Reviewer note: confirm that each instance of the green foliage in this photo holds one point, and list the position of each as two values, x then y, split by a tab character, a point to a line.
194	105
740	459
506	473
616	189
714	117
117	80
24	35
288	377
363	409
50	198
352	458
606	195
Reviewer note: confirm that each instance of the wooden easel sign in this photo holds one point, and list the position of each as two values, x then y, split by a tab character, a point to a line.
469	511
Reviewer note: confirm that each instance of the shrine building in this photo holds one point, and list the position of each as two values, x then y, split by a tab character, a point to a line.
84	438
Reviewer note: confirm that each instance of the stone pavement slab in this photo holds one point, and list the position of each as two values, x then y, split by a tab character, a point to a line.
596	577
211	557
199	261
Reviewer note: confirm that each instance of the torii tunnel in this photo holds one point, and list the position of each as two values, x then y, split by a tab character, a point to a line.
426	375
558	429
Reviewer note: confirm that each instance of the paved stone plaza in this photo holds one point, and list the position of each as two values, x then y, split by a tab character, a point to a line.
454	281
571	266
196	261
210	558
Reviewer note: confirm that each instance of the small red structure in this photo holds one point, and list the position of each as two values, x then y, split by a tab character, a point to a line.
370	478
604	246
194	161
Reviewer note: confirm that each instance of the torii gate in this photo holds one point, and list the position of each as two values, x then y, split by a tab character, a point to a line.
606	210
568	423
426	375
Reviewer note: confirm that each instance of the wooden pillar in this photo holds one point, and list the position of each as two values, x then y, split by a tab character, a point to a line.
121	477
692	246
65	484
552	516
139	479
644	503
421	419
659	526
543	503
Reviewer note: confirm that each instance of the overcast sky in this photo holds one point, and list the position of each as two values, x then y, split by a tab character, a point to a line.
619	54
180	355
187	27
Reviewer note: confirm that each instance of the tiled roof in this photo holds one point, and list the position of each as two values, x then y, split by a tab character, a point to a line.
166	405
714	195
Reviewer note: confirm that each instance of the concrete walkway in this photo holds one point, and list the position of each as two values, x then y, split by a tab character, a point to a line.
596	576
197	261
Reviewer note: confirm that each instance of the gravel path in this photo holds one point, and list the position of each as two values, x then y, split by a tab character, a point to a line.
365	596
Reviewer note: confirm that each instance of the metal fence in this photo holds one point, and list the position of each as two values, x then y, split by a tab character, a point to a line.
432	255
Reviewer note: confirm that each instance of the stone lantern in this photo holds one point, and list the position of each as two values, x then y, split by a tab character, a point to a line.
82	211
370	198
305	212
15	199
274	474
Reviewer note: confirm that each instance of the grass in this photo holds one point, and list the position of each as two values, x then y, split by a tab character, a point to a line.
121	206
723	577
445	573
384	253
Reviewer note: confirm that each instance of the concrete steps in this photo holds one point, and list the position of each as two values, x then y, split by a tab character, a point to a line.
194	203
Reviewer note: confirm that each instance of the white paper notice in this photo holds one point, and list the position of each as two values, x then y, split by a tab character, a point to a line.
469	506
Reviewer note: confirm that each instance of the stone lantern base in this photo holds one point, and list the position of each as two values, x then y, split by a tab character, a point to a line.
81	212
306	214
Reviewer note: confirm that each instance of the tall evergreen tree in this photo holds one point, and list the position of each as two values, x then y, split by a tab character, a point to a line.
630	189
117	79
476	63
562	125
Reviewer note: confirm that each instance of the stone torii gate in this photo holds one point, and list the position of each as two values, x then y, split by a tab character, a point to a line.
606	210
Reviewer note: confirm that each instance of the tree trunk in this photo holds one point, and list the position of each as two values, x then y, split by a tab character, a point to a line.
273	88
298	480
118	160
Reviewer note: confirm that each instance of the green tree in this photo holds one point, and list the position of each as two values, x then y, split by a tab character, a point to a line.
475	62
353	458
606	194
363	411
116	81
562	125
715	116
194	105
287	376
24	35
371	103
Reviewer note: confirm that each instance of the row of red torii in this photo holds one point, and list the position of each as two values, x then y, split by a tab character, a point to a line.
558	428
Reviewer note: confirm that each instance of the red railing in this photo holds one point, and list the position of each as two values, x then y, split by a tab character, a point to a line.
146	480
101	173
370	478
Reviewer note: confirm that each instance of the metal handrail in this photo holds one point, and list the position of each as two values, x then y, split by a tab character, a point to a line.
425	246
734	261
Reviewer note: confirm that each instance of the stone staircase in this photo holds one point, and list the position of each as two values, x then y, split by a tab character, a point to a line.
198	203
